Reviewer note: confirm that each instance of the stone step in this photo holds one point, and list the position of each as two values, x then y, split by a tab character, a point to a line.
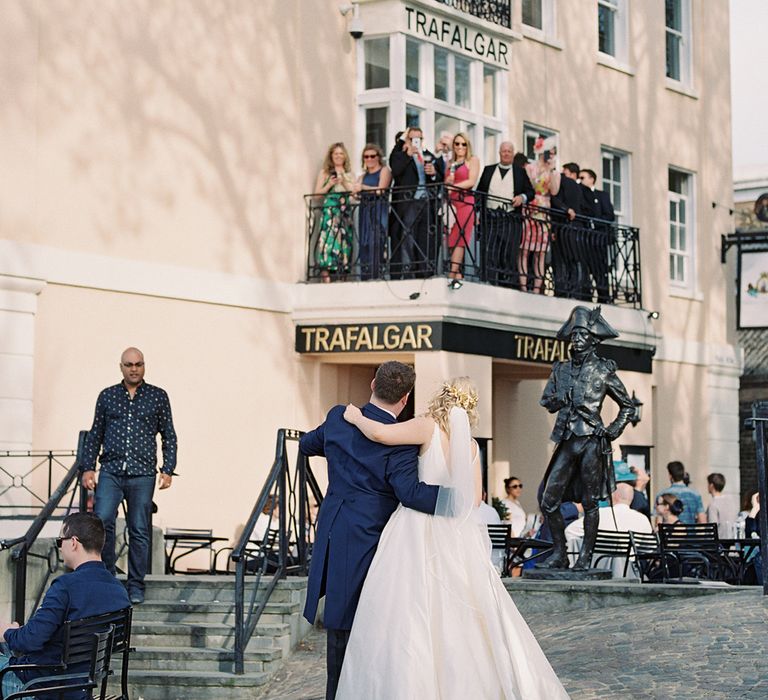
194	685
208	660
219	613
216	588
201	635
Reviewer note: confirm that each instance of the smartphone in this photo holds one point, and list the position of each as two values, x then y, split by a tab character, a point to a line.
416	141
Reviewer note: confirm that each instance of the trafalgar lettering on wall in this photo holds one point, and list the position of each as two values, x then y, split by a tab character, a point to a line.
365	337
455	36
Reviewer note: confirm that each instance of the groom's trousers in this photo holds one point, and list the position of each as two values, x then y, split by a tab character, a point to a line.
337	646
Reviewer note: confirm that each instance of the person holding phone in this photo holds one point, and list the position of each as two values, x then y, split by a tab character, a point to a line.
414	248
464	171
334	243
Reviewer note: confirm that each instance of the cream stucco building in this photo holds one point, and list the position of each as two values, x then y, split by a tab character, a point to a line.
155	155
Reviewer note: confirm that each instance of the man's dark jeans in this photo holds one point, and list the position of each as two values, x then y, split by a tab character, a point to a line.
137	492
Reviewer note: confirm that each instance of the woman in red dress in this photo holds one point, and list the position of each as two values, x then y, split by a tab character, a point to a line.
465	169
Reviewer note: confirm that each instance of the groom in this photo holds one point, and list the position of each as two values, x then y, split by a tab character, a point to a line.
366	481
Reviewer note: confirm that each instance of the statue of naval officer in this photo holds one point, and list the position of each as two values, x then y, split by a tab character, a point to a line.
581	467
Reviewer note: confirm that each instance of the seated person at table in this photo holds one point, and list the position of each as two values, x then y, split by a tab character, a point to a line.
88	590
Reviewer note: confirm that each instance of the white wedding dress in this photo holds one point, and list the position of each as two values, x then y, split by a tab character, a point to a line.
434	620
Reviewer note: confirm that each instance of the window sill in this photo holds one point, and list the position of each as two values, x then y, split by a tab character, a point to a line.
610	62
680	89
539	36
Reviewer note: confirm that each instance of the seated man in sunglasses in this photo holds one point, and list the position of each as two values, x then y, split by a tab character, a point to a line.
88	590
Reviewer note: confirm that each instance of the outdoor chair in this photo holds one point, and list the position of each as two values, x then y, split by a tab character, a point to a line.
499	536
695	551
613	546
82	645
647	558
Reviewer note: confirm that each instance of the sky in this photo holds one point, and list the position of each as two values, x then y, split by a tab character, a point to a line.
749	83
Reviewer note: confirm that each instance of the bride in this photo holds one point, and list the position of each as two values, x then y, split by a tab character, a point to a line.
434	619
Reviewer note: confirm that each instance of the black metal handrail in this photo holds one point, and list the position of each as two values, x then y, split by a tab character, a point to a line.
494	11
275	551
23	545
445	231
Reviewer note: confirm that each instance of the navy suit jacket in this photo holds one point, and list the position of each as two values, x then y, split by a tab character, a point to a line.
366	481
88	590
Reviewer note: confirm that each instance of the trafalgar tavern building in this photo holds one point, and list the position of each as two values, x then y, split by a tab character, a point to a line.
156	159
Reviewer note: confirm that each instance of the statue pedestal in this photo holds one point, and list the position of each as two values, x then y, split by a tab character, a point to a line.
566	575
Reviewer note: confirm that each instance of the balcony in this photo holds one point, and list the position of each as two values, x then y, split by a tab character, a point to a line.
467	236
493	11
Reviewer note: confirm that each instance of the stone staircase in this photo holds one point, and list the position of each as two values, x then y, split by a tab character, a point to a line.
184	638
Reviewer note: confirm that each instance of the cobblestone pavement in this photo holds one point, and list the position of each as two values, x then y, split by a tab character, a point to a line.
705	648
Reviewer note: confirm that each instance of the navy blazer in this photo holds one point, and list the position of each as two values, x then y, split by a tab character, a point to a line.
366	481
88	590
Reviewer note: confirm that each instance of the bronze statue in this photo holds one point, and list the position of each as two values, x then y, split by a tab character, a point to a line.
581	467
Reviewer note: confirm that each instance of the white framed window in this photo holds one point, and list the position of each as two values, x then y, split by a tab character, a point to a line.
615	181
412	65
681	229
531	132
538	17
612	29
491	143
429	86
677	18
376	63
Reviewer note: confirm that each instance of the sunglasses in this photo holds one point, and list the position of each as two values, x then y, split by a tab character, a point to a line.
370	155
516	486
61	540
459	143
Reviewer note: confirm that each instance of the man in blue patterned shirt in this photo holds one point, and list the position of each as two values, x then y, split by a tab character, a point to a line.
128	418
693	507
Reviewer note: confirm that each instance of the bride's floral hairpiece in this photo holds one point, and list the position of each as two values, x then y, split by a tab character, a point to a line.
463	399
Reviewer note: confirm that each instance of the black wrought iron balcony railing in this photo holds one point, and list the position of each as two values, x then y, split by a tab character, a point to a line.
494	11
466	235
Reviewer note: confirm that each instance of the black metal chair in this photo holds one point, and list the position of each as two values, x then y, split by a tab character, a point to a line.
695	551
611	545
648	560
499	536
82	645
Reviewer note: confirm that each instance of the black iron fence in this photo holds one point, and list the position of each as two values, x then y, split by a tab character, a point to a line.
494	11
27	480
758	422
440	230
277	539
68	496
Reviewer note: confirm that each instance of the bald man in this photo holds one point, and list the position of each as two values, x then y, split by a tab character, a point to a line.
128	418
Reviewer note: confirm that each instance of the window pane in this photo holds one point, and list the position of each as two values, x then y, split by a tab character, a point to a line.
673	56
376	126
445	122
671	266
412	116
677	182
491	146
532	13
682	242
605	30
461	82
672	235
376	63
412	65
681	215
680	268
673	14
441	75
489	91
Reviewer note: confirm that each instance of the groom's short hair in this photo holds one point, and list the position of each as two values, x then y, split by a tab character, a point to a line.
393	381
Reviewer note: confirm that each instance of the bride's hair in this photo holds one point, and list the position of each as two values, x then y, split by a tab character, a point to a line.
457	392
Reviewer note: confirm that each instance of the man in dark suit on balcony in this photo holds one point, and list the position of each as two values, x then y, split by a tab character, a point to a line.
509	188
602	236
568	259
412	221
366	481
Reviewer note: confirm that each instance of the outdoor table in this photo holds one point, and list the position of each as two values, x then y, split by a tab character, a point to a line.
519	545
744	548
192	543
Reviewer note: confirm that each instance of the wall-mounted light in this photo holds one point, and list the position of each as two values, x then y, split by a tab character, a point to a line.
355	24
653	315
455	284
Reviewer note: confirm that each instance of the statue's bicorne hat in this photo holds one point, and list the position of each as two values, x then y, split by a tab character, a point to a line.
591	319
